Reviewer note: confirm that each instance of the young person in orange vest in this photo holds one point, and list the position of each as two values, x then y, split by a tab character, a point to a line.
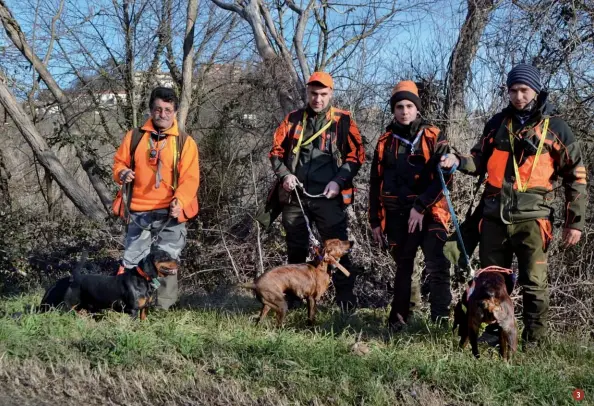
161	163
406	203
523	150
320	148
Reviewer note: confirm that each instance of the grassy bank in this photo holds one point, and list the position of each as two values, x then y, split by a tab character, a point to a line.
217	356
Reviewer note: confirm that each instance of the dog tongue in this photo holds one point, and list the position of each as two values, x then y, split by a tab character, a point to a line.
171	271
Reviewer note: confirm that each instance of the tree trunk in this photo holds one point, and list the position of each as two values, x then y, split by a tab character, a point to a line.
187	66
48	159
129	75
88	163
461	58
5	202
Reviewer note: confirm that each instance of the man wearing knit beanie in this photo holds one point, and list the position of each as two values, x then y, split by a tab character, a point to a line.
405	90
406	204
316	153
523	149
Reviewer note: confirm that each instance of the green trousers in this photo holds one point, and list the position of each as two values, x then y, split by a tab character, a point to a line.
499	242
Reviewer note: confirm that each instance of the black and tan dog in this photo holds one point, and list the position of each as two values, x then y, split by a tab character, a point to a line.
485	302
131	291
304	281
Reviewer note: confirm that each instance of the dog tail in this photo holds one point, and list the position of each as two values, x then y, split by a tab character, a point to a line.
249	285
79	266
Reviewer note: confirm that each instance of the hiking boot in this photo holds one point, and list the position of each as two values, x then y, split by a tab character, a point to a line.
490	335
442	322
529	346
395	327
347	306
346	301
395	322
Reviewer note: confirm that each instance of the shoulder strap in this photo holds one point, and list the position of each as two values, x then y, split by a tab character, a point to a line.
180	142
134	141
137	134
342	132
296	116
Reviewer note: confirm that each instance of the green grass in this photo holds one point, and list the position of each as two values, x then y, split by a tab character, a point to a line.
222	355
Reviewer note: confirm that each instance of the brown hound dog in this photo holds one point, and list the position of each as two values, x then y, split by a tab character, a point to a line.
305	281
487	301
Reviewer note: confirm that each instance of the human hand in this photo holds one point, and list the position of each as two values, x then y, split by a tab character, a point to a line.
127	175
290	182
378	235
448	161
571	237
332	190
415	219
174	208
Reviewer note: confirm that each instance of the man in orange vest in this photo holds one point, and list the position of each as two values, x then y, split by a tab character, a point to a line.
523	150
162	163
318	148
407	204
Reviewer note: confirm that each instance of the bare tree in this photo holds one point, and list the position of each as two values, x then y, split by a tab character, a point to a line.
47	158
272	39
188	64
89	164
5	202
463	54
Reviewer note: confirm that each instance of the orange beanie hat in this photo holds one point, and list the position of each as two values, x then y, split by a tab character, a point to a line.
405	90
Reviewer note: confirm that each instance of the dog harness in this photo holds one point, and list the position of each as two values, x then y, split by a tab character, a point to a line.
493	268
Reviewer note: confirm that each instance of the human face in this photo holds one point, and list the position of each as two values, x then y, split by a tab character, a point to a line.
521	95
405	112
318	97
163	114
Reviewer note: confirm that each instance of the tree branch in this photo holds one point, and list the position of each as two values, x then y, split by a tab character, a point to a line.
89	165
47	158
187	64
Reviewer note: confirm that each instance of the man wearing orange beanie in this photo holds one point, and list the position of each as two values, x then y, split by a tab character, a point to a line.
318	148
407	205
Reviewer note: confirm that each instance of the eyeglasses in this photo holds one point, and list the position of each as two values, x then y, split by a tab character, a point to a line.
163	112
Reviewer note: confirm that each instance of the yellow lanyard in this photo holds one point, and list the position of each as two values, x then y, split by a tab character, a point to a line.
313	137
510	132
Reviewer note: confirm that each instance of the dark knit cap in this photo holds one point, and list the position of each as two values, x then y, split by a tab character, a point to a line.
525	74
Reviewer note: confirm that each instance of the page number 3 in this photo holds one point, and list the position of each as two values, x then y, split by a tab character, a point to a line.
578	394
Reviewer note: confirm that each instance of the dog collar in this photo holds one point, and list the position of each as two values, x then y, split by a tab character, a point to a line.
153	281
